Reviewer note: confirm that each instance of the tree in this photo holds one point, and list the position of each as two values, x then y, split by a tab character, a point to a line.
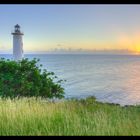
25	78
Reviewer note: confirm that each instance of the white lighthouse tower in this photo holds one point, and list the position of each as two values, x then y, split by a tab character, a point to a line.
17	43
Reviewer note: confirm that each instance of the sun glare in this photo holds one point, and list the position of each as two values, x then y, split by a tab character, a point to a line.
136	50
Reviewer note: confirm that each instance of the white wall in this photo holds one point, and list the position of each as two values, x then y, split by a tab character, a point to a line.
17	47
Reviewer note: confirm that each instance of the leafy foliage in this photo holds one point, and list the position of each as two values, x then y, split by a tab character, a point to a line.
25	78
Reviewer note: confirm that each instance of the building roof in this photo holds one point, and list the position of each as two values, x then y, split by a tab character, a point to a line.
17	26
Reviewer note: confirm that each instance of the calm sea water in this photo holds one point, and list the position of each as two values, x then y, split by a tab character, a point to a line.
110	78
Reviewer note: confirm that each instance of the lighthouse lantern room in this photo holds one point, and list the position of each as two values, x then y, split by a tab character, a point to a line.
17	43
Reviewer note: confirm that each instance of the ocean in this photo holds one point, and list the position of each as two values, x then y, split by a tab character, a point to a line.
110	78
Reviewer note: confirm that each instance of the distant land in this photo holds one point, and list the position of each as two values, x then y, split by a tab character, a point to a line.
86	51
75	51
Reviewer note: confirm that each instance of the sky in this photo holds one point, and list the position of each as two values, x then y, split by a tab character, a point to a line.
71	27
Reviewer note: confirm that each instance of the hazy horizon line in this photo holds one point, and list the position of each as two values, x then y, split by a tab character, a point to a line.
61	50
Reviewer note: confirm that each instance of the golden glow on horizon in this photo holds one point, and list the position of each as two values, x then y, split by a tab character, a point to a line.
136	50
121	41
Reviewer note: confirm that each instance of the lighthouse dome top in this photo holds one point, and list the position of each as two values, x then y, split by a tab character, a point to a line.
17	30
17	26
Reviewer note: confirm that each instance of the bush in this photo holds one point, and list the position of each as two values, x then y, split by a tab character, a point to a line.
25	78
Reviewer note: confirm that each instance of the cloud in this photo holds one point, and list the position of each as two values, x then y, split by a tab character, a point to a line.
2	47
60	45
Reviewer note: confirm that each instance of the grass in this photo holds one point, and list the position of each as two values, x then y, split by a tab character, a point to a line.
31	116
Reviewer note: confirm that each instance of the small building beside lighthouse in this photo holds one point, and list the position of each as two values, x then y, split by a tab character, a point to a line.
17	43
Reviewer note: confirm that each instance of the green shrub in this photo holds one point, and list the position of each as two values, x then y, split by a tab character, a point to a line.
25	78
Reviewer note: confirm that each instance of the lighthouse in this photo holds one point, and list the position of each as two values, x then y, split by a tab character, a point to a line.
17	43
